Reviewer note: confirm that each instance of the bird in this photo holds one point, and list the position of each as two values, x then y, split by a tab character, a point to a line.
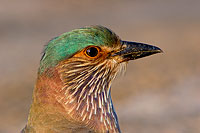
72	93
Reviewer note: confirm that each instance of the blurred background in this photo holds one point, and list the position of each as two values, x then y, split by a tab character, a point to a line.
158	94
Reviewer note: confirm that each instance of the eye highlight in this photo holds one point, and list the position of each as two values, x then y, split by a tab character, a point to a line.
92	51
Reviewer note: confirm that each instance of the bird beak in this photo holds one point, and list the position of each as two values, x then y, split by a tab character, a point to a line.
135	50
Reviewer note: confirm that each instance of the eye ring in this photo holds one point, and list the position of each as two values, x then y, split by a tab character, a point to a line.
92	51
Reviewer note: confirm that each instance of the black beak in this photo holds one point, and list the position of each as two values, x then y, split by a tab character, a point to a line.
135	50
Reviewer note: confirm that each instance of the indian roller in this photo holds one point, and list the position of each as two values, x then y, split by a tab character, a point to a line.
72	92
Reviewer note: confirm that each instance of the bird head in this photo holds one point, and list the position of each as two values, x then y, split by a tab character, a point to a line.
77	69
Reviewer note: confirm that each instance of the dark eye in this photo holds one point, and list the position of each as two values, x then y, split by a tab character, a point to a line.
92	51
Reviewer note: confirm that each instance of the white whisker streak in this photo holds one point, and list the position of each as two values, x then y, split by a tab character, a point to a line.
87	89
84	117
105	124
88	104
100	102
90	115
92	102
82	112
95	108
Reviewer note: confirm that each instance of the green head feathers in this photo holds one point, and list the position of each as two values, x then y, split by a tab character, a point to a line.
69	43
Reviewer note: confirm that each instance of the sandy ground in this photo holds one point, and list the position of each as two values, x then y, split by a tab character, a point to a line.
158	94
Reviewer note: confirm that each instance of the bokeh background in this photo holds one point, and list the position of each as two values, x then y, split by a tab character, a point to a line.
158	94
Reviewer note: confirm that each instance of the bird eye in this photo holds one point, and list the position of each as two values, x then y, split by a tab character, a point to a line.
92	51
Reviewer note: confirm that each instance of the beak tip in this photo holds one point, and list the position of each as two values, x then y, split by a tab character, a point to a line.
158	50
